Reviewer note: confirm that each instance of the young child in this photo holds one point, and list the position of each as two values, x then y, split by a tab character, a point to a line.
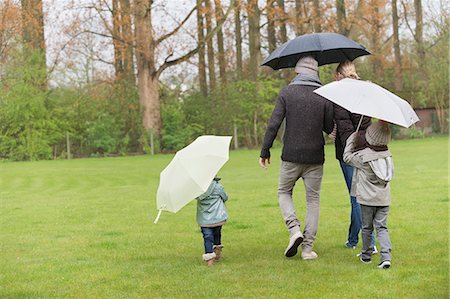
211	215
374	169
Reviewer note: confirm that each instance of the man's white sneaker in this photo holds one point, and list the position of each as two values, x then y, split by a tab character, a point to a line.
309	255
384	265
294	242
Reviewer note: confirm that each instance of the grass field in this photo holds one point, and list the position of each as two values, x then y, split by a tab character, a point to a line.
84	229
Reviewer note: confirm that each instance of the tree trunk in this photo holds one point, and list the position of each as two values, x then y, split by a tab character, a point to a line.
299	17
127	30
317	16
34	42
220	48
341	18
211	62
238	38
123	43
271	38
419	34
254	37
145	55
282	20
201	51
398	59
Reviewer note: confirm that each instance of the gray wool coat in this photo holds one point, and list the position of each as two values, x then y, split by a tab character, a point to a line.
373	170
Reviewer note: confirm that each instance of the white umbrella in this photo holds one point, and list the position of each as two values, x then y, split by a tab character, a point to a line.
370	99
190	172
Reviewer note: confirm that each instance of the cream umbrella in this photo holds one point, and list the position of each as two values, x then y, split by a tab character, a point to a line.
370	99
190	172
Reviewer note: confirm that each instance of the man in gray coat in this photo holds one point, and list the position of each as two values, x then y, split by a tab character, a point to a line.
307	115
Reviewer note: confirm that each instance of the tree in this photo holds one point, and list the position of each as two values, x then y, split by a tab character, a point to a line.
254	37
282	18
238	38
34	41
341	17
201	51
123	43
148	72
398	59
419	33
210	52
220	47
270	13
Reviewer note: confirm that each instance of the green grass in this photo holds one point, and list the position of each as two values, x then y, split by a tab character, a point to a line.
84	229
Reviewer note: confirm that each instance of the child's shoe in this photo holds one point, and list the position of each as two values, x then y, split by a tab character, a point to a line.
218	251
209	258
365	261
384	265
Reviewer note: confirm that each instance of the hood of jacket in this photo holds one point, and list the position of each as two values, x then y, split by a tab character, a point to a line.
381	164
210	189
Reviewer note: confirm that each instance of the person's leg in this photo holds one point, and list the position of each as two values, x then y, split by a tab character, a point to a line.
355	215
382	233
312	179
217	231
367	229
208	239
217	242
289	174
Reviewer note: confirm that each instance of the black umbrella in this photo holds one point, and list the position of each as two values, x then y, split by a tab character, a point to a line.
326	48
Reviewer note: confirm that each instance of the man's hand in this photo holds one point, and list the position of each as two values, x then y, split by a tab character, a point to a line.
332	135
262	162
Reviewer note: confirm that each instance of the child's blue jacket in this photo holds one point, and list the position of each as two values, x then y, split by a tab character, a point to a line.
211	209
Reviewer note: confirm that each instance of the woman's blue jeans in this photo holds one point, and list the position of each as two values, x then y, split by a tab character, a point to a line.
211	237
355	216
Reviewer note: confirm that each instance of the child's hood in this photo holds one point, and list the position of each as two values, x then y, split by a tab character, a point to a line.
210	189
383	168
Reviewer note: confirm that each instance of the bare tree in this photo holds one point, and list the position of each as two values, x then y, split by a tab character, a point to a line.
220	47
201	51
238	37
148	72
34	41
341	16
282	18
254	37
210	52
317	16
123	43
398	59
270	13
419	32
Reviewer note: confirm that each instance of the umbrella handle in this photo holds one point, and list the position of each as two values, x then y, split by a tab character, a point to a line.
359	124
157	217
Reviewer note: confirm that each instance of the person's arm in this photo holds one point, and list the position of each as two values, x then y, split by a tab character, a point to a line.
344	123
278	114
350	156
328	120
221	192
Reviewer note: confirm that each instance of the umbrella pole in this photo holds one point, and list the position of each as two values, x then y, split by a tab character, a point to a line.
157	217
359	124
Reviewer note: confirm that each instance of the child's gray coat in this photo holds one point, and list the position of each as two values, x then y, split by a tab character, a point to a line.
211	209
372	174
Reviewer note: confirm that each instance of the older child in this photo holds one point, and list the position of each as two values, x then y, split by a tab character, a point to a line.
374	169
211	215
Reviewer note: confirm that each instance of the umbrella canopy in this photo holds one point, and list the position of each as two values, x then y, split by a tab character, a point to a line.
370	99
191	171
325	47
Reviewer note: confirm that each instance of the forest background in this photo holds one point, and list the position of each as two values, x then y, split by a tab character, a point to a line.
117	77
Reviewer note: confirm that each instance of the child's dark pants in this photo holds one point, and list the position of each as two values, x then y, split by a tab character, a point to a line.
211	236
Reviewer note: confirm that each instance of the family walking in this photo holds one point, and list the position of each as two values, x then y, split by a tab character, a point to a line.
363	156
308	110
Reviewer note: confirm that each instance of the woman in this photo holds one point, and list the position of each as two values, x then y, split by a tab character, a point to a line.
345	124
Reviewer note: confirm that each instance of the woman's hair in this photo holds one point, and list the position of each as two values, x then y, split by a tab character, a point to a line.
347	70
